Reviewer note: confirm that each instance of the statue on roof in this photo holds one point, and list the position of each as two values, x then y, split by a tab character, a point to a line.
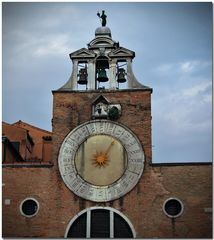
103	17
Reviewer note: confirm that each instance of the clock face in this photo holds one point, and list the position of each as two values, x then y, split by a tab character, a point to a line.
101	160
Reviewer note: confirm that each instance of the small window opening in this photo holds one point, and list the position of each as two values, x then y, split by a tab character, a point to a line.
16	145
173	207
29	207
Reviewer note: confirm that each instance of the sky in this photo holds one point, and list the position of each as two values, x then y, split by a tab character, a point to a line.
173	55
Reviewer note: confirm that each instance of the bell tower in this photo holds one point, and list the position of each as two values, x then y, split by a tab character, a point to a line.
102	139
103	65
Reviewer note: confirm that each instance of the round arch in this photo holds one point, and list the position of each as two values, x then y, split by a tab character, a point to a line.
102	222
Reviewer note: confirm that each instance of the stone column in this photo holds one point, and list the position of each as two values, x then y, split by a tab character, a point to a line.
112	74
91	74
74	77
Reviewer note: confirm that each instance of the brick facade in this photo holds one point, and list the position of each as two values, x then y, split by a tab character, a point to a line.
143	205
191	183
72	109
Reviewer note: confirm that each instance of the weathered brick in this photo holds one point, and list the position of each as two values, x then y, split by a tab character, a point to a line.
192	184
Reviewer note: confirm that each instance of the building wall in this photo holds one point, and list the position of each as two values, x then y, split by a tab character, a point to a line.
41	148
192	183
8	156
37	134
73	108
17	134
47	150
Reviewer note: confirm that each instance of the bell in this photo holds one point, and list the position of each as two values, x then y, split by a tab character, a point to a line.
121	75
102	77
83	76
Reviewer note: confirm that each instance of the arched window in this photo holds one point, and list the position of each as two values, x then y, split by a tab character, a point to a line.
100	222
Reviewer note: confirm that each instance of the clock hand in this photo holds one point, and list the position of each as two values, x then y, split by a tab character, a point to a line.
108	149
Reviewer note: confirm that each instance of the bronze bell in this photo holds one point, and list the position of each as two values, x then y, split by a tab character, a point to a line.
102	76
83	76
121	75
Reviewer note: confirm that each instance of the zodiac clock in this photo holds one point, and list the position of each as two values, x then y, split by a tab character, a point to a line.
101	160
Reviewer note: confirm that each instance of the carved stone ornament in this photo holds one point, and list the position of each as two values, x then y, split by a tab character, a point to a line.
101	108
101	160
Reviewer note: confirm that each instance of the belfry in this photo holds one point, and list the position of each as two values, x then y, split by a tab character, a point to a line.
103	65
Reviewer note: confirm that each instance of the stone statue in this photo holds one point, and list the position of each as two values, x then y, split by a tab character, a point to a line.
103	17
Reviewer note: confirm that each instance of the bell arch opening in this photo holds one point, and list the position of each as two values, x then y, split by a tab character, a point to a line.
100	222
82	75
102	72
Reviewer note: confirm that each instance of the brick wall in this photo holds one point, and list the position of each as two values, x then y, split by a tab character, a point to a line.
74	108
143	205
192	183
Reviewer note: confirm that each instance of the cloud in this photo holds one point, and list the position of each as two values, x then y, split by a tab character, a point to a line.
184	67
192	66
186	110
52	45
39	45
188	66
165	68
200	89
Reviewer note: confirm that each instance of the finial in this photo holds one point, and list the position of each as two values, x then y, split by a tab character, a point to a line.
103	17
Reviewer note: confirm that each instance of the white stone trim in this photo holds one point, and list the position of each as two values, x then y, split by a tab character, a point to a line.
111	224
26	199
88	224
88	219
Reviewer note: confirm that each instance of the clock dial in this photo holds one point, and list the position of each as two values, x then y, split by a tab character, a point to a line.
101	160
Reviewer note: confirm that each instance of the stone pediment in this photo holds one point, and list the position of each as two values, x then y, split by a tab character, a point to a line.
82	53
101	42
100	99
122	52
